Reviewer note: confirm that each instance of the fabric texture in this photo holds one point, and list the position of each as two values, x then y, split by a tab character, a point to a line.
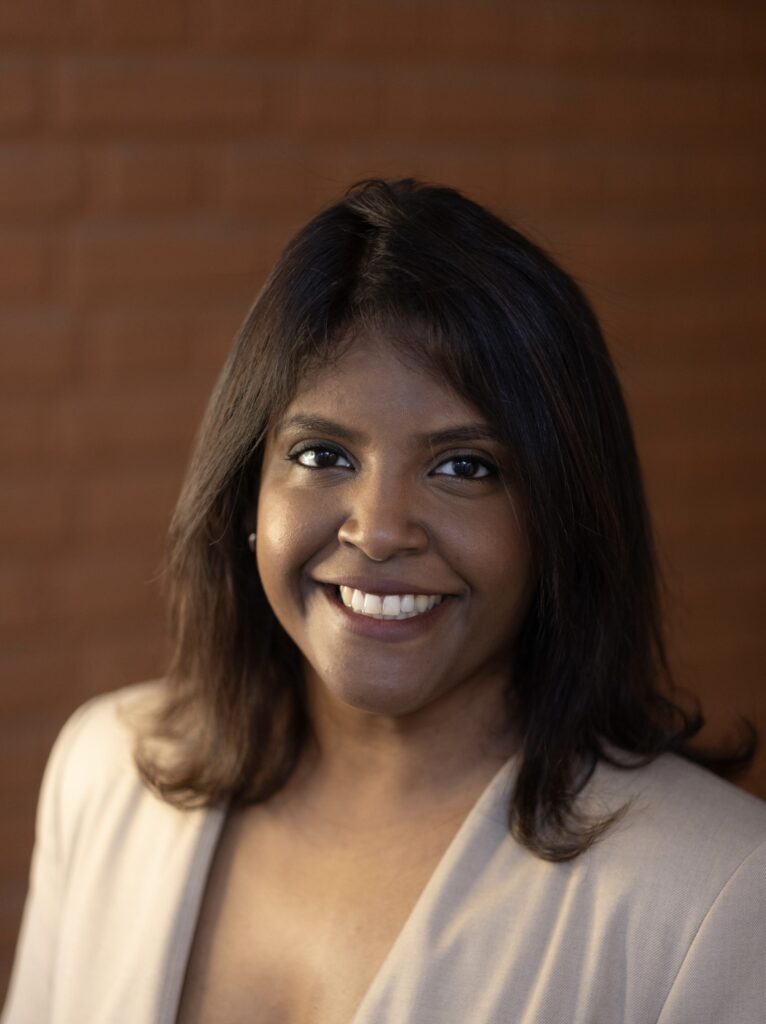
662	922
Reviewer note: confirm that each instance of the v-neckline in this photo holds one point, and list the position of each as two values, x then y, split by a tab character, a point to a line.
192	896
478	809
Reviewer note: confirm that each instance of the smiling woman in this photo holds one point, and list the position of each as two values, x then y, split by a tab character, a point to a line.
417	755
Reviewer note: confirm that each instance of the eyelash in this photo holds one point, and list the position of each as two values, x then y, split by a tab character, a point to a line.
483	463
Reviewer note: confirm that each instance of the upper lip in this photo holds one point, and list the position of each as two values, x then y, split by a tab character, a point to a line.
378	586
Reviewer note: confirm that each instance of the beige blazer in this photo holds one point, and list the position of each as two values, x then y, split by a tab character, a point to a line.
664	921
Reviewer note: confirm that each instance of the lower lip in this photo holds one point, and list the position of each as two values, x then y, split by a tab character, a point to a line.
388	629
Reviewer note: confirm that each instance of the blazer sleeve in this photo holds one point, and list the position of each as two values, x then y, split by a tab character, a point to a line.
30	993
723	977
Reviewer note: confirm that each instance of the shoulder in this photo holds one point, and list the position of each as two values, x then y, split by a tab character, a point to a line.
99	732
91	761
116	872
684	833
688	865
682	806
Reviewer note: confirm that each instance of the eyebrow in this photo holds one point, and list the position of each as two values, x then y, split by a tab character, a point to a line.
461	434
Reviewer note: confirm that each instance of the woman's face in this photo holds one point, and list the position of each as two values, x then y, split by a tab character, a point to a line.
381	490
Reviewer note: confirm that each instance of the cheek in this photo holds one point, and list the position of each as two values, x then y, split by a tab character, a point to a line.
288	534
495	560
490	549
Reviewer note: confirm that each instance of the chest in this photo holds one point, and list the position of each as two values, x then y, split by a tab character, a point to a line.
292	932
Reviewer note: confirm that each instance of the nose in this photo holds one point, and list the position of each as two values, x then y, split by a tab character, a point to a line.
383	519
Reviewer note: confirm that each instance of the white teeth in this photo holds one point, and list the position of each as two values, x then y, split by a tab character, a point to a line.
388	606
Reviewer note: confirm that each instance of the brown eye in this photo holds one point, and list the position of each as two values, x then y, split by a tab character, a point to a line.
466	467
319	457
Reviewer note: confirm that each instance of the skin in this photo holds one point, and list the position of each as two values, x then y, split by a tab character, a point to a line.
422	714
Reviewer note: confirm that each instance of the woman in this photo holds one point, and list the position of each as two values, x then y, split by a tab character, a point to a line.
415	758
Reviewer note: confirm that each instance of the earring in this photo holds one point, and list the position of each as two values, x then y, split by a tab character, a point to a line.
251	542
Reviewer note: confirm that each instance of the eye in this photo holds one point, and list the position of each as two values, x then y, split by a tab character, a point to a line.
466	467
319	456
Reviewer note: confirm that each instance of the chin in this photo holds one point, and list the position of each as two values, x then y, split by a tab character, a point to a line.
381	698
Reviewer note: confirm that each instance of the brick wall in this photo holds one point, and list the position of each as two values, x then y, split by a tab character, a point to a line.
154	158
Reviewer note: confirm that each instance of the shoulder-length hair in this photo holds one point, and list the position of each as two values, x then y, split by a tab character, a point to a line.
475	301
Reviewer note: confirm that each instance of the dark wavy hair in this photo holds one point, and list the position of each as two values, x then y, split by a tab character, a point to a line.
475	301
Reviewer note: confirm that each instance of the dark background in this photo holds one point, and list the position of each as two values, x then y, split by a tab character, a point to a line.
154	159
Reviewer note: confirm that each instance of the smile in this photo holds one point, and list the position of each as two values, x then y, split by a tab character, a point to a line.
388	606
386	624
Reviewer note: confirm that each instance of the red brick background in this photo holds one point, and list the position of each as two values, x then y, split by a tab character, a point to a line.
155	157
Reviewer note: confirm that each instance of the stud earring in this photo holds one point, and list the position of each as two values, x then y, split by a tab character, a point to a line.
251	542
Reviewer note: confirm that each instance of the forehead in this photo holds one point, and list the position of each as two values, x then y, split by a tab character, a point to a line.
372	376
